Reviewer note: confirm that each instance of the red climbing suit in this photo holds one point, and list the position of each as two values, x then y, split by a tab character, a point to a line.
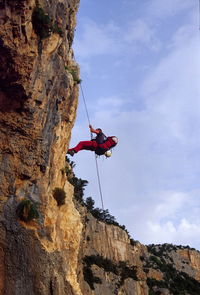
92	145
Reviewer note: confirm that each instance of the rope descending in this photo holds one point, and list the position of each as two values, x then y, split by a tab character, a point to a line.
97	168
99	182
86	109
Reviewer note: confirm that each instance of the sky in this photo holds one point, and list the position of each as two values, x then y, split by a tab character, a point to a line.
140	69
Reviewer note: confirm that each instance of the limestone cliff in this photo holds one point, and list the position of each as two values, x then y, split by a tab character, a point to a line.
51	241
38	101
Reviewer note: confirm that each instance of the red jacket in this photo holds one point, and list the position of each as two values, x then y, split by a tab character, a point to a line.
107	145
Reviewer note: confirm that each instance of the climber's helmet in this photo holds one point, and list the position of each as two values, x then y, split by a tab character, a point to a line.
108	154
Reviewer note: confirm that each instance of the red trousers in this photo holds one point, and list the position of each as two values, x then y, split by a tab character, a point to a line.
92	145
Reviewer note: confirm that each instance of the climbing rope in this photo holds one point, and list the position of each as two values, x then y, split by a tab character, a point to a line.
97	167
96	162
99	182
84	101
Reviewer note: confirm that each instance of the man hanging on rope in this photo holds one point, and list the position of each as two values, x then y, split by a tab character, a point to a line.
100	144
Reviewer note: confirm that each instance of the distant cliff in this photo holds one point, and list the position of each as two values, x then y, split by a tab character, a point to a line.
52	241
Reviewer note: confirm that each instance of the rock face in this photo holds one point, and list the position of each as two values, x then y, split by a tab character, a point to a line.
51	243
38	101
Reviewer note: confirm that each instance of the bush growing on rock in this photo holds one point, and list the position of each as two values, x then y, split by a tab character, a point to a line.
42	24
59	195
27	210
121	269
79	187
102	215
74	74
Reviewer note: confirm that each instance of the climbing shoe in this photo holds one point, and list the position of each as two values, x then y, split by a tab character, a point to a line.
71	153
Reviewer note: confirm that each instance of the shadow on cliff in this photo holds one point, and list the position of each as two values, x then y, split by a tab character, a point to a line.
12	94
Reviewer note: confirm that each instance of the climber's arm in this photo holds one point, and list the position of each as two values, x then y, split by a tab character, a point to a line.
94	130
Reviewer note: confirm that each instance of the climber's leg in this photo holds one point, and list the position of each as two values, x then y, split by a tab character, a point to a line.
84	145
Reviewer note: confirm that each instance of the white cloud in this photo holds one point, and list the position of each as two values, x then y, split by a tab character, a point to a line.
151	154
110	102
85	68
96	39
172	90
140	31
109	39
151	183
183	233
162	8
168	203
182	35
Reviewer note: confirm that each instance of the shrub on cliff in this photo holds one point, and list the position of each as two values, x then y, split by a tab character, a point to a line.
102	215
100	261
41	23
59	195
105	263
177	282
89	204
27	210
120	269
74	74
68	169
78	183
90	278
71	163
79	187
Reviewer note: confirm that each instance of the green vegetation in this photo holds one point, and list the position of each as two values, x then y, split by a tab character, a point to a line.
90	278
71	163
184	284
56	29
59	195
151	292
121	269
156	261
127	272
102	262
160	255
102	215
68	169
42	24
178	283
74	74
162	249
27	210
133	242
152	283
78	183
79	187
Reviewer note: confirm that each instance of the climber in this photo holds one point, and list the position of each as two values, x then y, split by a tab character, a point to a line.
100	144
